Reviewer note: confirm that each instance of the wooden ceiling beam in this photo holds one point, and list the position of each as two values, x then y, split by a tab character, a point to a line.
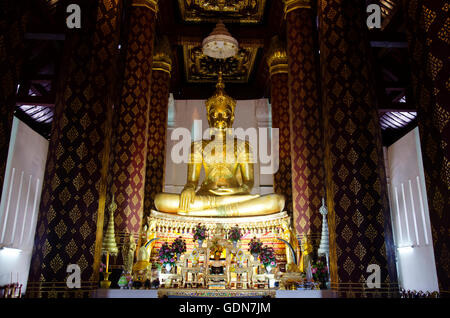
397	107
48	100
45	36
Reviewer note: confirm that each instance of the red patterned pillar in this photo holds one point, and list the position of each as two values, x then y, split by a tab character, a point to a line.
70	222
359	217
157	125
12	28
428	25
130	147
279	100
306	129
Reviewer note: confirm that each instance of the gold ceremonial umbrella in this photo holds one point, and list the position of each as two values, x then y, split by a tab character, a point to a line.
109	246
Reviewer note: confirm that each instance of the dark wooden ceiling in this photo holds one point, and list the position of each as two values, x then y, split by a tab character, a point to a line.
44	43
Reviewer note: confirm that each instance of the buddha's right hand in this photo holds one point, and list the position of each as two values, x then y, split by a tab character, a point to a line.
187	197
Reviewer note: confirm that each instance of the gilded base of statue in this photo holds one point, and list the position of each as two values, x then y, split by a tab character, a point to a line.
164	221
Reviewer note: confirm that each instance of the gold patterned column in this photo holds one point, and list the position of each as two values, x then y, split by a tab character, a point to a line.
157	125
359	217
12	28
305	110
70	222
279	99
429	43
130	145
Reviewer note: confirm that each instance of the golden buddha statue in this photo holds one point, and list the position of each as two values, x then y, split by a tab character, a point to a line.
292	254
229	174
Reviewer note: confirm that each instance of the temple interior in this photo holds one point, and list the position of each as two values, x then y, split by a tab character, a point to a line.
218	148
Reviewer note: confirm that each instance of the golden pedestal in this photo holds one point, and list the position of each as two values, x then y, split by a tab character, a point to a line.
105	283
165	227
168	223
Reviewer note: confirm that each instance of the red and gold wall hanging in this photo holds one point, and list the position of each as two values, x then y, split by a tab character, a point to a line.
130	145
305	113
157	125
279	100
70	221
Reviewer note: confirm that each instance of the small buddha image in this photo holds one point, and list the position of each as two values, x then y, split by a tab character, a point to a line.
240	258
216	264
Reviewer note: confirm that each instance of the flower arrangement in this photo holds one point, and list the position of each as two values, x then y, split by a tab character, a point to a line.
102	267
267	256
255	246
200	232
166	254
319	271
179	245
235	234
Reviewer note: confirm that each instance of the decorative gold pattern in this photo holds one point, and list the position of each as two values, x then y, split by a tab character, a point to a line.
428	37
167	223
241	11
277	59
90	67
150	4
282	179
355	175
156	144
291	5
162	60
201	68
305	122
130	147
209	293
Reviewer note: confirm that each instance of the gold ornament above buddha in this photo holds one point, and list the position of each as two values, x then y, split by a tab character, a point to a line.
229	171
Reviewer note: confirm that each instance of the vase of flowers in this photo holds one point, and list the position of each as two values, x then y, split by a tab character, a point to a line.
166	256
200	234
255	247
179	247
319	271
267	257
234	235
105	283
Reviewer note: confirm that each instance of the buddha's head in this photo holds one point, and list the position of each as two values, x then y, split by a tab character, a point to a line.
220	107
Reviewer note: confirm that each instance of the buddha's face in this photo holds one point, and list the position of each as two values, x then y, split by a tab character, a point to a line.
221	116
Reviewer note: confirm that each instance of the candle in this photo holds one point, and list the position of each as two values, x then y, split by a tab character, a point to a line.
107	261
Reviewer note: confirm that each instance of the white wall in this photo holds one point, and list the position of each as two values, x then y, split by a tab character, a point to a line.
20	202
182	113
410	216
